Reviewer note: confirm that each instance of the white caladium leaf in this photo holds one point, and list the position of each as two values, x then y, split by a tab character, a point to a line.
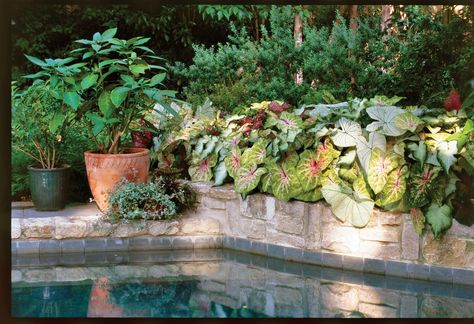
407	121
348	133
248	178
233	161
446	153
202	170
440	218
220	173
380	165
346	206
385	120
364	148
394	188
348	158
418	152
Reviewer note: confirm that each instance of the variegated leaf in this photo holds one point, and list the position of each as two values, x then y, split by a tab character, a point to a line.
385	120
248	178
364	148
202	170
233	161
394	188
420	185
418	220
380	165
407	121
348	134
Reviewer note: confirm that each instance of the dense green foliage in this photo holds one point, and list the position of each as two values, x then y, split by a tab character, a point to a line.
355	155
421	62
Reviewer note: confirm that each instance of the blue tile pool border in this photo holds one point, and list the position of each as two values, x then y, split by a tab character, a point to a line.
288	255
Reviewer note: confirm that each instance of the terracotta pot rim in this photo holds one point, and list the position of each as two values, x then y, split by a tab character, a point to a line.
40	169
136	151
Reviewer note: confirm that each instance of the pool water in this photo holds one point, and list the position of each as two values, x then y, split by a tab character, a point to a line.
222	283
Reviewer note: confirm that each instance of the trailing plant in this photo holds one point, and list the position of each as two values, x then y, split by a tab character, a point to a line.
178	191
131	201
356	155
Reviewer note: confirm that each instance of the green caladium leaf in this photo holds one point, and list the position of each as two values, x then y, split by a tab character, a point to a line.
364	148
233	161
385	120
445	155
289	122
285	183
418	220
407	121
419	152
348	158
220	173
266	183
395	187
380	101
310	196
361	188
248	178
256	154
439	217
202	170
420	185
346	206
349	174
348	133
380	165
330	176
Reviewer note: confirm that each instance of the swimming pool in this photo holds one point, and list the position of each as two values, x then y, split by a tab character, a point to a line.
218	283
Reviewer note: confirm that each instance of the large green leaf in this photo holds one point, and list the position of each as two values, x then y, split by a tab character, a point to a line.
346	206
118	95
233	161
89	81
380	165
385	120
247	178
348	134
364	148
313	195
394	188
439	217
220	173
56	122
105	104
418	152
72	99
361	188
420	185
330	176
445	155
202	170
407	121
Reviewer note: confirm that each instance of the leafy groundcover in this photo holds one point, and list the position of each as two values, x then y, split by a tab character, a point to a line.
355	155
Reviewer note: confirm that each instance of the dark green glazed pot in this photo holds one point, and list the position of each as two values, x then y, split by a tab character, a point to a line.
49	187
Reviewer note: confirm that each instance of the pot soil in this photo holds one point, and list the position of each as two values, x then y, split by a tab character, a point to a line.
49	187
104	170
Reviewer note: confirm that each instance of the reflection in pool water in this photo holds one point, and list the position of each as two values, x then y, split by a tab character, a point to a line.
231	285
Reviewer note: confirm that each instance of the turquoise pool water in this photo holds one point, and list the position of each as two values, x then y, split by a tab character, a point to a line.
221	283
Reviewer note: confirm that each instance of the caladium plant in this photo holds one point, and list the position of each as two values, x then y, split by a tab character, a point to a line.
420	185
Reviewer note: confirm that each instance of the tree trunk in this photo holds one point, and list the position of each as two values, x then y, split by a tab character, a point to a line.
353	17
342	11
386	20
298	35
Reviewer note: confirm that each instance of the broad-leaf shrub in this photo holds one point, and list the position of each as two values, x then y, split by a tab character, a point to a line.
356	155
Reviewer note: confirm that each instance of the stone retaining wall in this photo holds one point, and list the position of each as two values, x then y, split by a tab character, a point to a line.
313	227
266	222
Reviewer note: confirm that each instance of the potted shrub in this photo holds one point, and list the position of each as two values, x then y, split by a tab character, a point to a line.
114	88
40	119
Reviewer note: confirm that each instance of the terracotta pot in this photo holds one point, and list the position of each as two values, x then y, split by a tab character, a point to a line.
104	170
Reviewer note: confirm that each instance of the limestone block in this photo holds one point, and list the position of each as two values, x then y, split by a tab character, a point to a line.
288	301
99	228
386	218
208	268
261	301
39	275
69	228
437	306
340	239
254	206
225	192
408	306
289	216
410	240
379	250
157	228
130	271
380	234
270	206
192	226
37	227
130	230
212	286
460	230
377	311
313	228
448	250
70	274
337	296
281	238
253	229
327	216
16	276
15	228
233	217
379	296
201	187
213	203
